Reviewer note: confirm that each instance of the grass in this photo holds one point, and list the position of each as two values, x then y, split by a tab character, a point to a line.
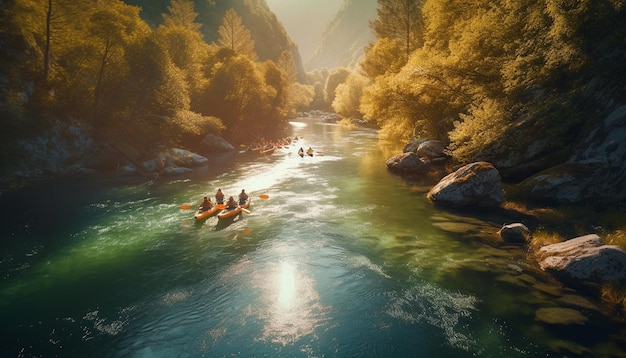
563	223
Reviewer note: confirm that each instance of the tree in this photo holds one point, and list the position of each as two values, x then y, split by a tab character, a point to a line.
235	36
400	19
336	78
348	96
237	94
181	37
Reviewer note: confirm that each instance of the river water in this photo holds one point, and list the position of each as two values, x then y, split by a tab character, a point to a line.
342	260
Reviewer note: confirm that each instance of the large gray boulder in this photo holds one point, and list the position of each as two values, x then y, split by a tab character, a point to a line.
432	149
409	163
475	184
585	259
214	143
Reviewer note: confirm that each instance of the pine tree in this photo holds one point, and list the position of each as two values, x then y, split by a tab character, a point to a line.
235	36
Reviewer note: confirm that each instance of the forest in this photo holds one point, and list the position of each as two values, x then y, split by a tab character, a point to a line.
100	64
466	72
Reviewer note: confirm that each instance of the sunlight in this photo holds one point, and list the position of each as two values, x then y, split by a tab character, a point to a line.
286	286
291	307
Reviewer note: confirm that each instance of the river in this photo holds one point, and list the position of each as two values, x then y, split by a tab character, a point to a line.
342	260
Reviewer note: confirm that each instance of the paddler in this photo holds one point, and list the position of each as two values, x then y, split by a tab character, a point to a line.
219	196
243	197
231	204
309	152
206	204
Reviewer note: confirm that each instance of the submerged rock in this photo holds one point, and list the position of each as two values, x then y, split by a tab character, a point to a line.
559	315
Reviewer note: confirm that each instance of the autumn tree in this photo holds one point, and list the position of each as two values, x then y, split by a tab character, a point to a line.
334	79
235	36
348	96
400	19
181	37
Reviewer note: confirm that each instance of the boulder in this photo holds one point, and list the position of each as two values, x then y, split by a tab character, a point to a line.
173	171
475	184
584	259
517	233
431	149
184	158
408	162
214	143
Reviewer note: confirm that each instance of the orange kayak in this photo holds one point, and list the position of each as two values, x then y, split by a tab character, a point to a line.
232	212
203	214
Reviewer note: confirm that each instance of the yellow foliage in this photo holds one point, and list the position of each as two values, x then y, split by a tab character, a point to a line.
484	124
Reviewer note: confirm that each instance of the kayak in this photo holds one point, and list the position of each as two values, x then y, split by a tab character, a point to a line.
268	151
203	214
229	213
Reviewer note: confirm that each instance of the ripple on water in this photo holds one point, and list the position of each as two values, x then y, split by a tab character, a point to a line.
448	311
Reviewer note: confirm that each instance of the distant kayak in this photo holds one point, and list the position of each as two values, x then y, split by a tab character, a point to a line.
204	214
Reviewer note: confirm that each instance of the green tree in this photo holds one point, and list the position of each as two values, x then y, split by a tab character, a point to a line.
235	36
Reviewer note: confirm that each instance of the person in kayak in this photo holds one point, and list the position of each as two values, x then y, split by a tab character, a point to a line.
206	204
309	152
301	152
219	196
231	204
243	197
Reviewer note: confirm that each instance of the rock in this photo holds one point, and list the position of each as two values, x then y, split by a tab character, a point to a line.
562	316
408	162
584	259
185	158
173	171
475	184
516	232
596	171
564	183
431	149
216	143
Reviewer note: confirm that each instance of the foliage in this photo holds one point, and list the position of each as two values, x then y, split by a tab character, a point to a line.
98	61
334	79
401	20
235	36
476	67
348	96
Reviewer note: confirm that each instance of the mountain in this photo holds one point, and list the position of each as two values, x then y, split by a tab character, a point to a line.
268	33
305	21
346	36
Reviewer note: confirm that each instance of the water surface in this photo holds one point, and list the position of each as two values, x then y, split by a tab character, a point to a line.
343	259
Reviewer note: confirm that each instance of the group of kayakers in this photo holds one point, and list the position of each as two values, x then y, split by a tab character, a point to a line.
219	199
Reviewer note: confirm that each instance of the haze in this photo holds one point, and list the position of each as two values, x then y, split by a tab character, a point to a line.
305	20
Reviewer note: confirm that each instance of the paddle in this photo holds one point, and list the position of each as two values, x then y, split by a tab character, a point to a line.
245	210
185	207
264	196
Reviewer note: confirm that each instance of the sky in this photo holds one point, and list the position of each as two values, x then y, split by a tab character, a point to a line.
305	20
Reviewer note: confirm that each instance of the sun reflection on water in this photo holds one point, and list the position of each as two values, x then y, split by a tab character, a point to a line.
290	307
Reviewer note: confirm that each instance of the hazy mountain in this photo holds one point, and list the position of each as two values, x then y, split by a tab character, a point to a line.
305	21
268	33
346	36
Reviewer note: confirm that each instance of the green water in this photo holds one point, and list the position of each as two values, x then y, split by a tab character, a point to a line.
343	259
